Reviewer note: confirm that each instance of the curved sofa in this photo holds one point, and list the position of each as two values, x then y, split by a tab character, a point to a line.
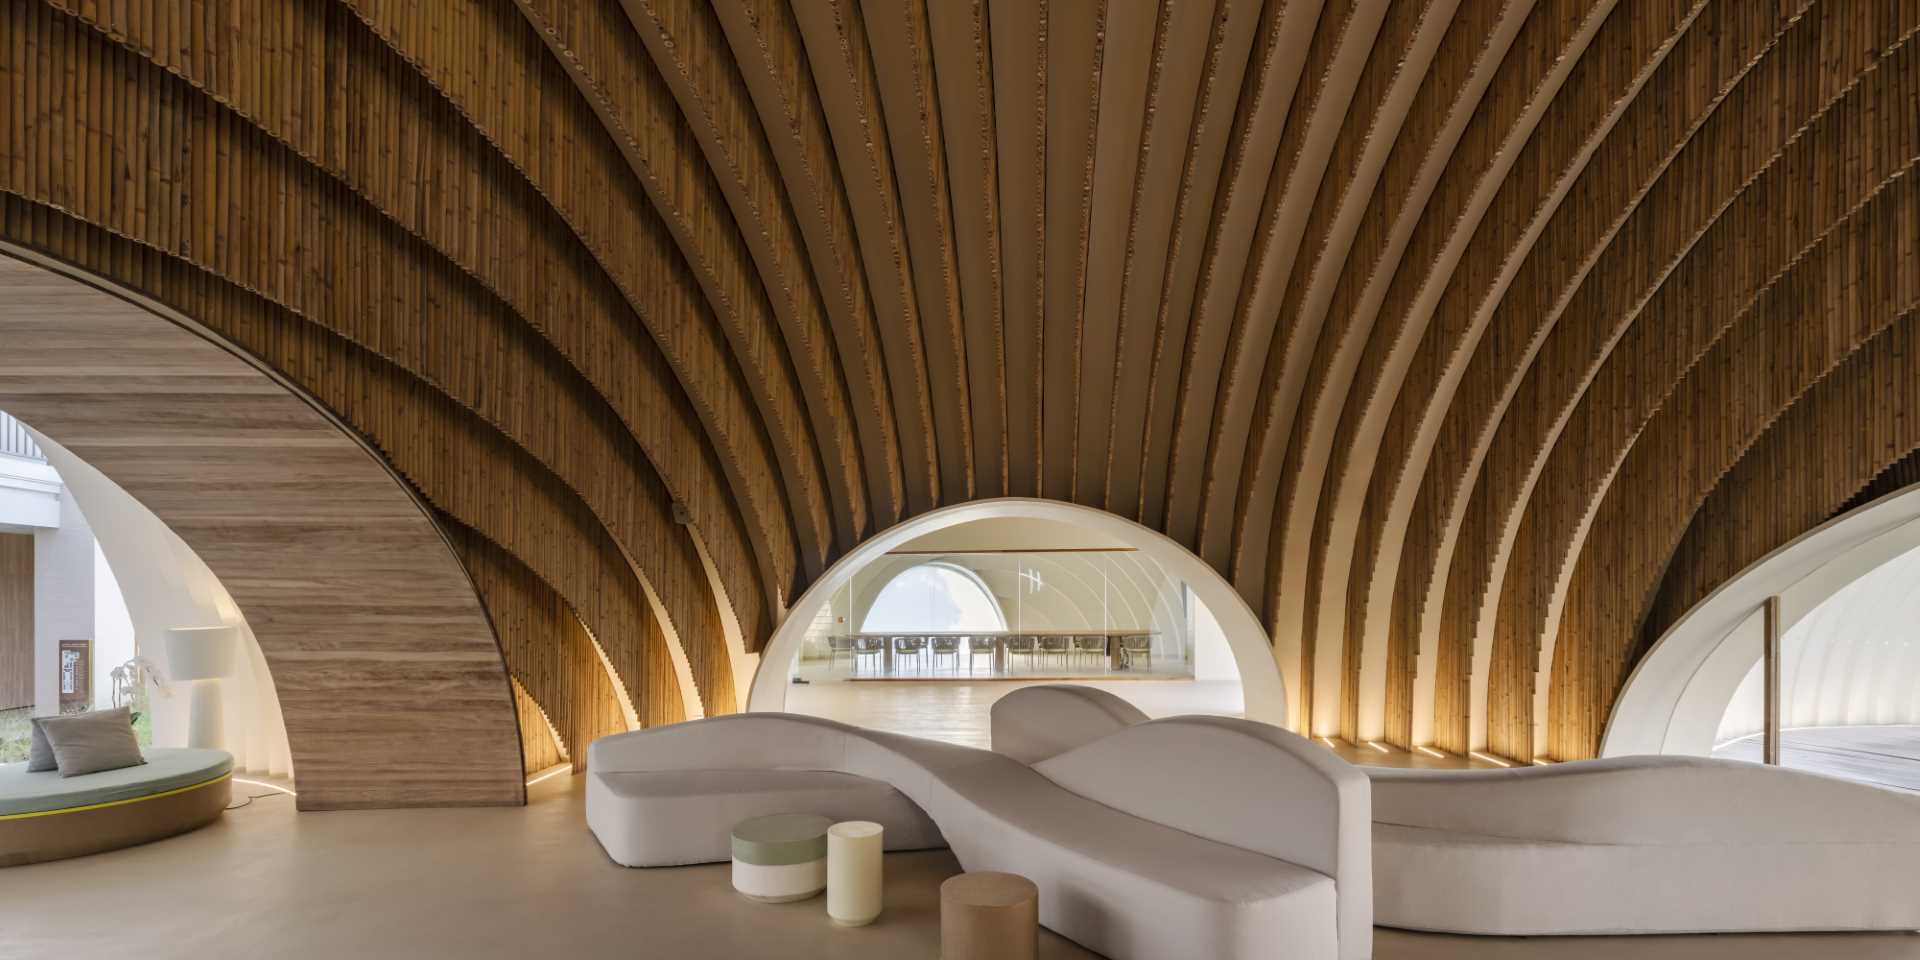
44	816
1653	844
1190	836
1032	724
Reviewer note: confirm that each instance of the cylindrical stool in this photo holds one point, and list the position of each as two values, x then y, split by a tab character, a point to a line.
989	916
853	872
780	858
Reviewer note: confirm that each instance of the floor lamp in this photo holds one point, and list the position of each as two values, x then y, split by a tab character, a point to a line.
199	657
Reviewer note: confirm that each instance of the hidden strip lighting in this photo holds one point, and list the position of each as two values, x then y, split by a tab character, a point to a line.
550	774
269	786
1431	752
1488	758
1377	746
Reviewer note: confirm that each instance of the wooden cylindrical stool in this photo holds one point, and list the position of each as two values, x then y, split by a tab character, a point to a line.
989	916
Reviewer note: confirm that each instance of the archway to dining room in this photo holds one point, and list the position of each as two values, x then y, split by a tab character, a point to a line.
922	628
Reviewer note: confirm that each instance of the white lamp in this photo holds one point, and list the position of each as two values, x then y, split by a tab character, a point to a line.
200	656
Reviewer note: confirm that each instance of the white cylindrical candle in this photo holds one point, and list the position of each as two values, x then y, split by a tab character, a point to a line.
853	872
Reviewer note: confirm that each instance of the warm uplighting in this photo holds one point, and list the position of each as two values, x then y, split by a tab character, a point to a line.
555	771
1377	746
1329	742
269	786
1477	755
1431	752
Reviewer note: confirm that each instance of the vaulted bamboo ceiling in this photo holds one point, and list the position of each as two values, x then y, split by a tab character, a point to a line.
1430	324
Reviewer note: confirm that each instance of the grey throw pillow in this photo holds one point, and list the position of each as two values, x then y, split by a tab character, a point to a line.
91	742
40	752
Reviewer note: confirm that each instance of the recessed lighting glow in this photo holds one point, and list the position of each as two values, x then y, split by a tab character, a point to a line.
1488	758
1329	742
1542	762
1431	752
550	774
1376	745
270	786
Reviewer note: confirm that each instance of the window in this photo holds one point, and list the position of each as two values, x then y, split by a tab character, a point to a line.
934	597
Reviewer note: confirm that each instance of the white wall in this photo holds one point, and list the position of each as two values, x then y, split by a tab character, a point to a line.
62	598
165	584
1212	658
29	493
1853	660
112	629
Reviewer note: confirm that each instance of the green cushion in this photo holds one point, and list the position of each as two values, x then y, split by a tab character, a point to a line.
166	769
781	840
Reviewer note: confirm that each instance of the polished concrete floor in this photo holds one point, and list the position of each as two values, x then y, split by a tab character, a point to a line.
532	883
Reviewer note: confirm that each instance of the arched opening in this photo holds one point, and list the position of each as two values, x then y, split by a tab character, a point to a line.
1016	591
935	596
110	583
353	593
1849	685
1846	627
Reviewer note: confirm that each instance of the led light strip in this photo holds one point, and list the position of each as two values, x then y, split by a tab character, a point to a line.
1488	758
270	786
1431	752
554	771
1378	746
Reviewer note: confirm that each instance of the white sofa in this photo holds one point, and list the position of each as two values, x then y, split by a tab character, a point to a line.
1032	724
1641	845
1191	836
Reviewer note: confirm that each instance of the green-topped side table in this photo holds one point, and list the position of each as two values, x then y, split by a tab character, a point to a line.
780	858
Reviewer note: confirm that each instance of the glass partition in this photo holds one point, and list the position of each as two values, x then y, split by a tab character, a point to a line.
1025	615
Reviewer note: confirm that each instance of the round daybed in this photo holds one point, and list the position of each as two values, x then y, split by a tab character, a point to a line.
44	816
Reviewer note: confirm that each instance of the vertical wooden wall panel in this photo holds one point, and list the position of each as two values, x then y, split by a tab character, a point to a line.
367	622
16	620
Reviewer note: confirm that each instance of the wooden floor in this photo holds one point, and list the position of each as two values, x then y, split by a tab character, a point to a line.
958	711
1884	756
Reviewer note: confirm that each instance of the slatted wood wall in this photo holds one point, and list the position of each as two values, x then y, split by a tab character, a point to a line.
370	628
1396	314
16	620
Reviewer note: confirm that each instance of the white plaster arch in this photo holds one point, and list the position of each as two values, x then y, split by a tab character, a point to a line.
1674	699
1266	688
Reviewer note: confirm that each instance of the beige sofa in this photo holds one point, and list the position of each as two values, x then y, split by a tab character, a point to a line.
1641	845
1032	724
1192	836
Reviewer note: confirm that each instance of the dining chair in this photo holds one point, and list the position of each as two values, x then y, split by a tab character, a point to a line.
838	647
1091	645
1020	644
946	647
915	645
1139	646
1057	647
979	644
868	647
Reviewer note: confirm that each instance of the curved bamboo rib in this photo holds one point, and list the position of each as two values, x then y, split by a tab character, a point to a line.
1409	523
551	655
689	47
599	462
1691	309
1386	310
1665	232
1861	279
600	204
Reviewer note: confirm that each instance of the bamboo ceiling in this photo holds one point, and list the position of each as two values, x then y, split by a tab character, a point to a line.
1432	325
